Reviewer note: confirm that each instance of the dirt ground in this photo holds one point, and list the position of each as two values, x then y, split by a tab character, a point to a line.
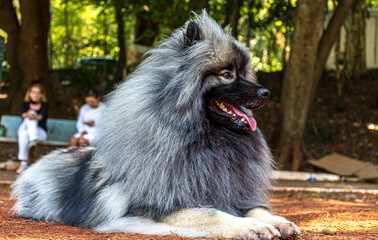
344	215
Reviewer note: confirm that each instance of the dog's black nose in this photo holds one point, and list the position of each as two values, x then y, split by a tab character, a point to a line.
263	92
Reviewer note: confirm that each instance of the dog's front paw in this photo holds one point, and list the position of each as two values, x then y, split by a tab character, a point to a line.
285	227
251	229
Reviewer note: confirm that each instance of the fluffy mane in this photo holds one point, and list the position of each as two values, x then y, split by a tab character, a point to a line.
156	138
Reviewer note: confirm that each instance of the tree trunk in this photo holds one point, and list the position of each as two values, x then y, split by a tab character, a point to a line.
271	47
122	60
328	38
106	30
306	64
227	13
337	67
67	37
9	23
297	81
284	52
337	59
197	5
250	22
145	29
235	16
29	63
355	62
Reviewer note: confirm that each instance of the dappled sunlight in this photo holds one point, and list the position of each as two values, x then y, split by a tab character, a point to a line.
372	126
321	204
344	214
364	221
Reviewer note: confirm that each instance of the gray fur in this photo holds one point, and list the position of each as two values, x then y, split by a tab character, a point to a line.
158	153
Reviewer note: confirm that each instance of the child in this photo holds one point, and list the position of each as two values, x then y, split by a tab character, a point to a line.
88	118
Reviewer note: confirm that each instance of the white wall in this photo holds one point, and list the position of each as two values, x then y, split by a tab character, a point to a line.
371	42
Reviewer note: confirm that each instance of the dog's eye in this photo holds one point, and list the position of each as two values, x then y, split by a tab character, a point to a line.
227	75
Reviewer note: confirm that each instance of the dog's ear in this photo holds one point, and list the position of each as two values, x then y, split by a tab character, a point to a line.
193	34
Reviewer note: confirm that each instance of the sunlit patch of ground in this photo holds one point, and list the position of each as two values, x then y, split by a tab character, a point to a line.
349	216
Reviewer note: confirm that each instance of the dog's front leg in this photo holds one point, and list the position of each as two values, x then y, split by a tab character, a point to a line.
221	225
286	228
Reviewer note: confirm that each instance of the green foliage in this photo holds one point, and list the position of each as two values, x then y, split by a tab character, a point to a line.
269	24
88	27
372	3
80	29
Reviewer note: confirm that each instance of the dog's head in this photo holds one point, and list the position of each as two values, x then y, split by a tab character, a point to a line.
232	92
199	75
231	103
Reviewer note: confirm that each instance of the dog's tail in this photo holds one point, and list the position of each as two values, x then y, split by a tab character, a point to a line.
147	226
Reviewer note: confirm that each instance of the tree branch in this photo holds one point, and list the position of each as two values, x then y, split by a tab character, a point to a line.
328	38
8	18
9	23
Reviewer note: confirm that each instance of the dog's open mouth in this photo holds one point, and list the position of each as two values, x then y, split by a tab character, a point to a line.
241	116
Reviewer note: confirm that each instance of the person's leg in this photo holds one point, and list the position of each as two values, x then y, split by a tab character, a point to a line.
23	141
74	142
83	141
41	135
33	129
23	145
91	140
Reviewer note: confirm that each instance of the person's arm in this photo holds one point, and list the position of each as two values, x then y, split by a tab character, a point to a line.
24	110
80	123
102	109
42	116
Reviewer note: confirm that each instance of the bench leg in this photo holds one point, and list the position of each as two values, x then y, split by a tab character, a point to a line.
31	151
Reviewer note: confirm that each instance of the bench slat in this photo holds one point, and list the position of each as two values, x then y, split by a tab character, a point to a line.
48	142
59	131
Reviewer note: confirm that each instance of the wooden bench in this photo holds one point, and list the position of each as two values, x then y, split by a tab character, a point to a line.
59	131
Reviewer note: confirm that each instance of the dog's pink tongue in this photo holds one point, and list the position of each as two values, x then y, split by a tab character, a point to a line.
251	120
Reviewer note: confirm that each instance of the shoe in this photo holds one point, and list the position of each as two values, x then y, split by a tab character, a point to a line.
9	165
21	169
3	165
33	143
12	165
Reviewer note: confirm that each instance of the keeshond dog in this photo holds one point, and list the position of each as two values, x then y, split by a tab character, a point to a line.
179	152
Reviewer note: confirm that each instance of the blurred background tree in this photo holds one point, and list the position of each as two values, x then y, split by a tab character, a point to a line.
27	24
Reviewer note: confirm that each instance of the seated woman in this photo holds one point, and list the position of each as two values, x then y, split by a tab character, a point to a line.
34	111
86	123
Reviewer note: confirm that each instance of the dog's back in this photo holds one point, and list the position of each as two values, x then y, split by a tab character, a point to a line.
58	188
68	186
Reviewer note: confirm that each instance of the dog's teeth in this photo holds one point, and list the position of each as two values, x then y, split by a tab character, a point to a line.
229	112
